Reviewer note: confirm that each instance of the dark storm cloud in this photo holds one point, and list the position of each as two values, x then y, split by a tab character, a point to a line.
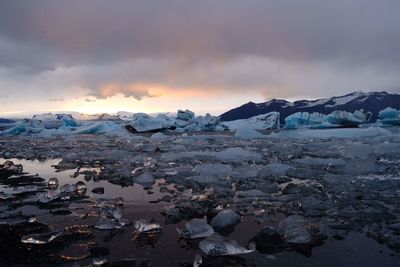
190	37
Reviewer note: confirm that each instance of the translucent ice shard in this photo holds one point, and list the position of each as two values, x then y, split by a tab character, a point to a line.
295	230
216	245
147	226
40	239
196	228
53	183
225	218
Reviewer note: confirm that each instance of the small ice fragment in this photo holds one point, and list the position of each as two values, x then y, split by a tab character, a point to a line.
196	228
40	239
100	262
53	183
216	245
145	179
225	218
80	187
295	230
108	224
147	226
32	220
198	260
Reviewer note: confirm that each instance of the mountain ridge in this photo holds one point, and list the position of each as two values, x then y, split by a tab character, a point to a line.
368	101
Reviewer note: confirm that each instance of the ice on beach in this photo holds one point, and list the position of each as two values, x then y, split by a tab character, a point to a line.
332	133
216	245
102	127
145	179
210	169
225	218
196	228
40	239
147	226
238	154
247	133
295	230
158	136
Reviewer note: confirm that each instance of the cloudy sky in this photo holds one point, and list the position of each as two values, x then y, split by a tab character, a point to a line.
209	55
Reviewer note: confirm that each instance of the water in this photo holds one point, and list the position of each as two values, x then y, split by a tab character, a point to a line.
163	248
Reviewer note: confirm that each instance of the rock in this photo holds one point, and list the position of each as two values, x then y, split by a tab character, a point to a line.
225	218
293	188
251	193
268	240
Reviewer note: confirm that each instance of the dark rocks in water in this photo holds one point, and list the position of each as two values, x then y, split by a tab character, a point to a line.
98	190
13	251
268	240
97	251
8	169
23	181
130	263
292	188
282	179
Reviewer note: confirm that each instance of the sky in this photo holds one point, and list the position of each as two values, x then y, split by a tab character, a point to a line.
97	56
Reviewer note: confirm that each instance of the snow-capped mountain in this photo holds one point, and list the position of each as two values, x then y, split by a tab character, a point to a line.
371	101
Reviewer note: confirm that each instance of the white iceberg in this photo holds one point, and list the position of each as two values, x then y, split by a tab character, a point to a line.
261	122
347	119
389	116
185	115
142	123
55	121
25	127
303	119
102	127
